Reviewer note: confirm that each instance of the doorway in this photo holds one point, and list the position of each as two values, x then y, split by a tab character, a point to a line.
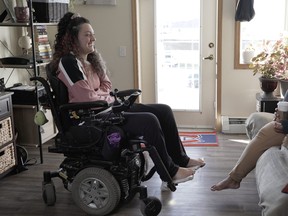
185	59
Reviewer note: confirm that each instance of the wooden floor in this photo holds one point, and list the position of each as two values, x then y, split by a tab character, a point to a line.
21	194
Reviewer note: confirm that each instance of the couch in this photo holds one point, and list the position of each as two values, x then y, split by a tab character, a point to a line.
271	170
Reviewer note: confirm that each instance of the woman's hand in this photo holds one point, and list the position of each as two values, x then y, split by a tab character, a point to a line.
277	124
276	116
278	127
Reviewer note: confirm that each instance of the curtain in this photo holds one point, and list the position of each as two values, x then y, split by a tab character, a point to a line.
244	10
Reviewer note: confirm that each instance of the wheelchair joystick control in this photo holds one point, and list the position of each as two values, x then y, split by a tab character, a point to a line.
114	94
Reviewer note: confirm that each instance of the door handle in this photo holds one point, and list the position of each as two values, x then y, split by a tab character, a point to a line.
210	57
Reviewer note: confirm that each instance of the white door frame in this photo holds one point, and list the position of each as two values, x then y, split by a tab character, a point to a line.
135	6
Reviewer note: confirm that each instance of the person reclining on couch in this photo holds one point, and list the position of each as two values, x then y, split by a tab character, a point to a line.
80	67
271	134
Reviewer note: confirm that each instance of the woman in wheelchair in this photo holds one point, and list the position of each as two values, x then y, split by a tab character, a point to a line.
80	67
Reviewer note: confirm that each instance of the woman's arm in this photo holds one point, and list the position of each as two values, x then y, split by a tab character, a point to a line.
105	85
80	88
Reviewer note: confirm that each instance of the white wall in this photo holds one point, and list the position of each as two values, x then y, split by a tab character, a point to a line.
9	37
113	28
146	15
239	87
9	47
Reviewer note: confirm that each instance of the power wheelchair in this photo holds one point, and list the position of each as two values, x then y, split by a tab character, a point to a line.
101	174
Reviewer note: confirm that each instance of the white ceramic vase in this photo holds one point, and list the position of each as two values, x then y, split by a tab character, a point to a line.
247	56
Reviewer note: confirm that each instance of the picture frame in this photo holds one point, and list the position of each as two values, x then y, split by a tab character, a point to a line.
10	9
100	2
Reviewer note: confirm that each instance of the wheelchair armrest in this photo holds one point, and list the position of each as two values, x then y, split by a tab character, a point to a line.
125	93
84	105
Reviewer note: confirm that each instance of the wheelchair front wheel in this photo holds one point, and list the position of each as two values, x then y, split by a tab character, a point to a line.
49	193
96	191
151	206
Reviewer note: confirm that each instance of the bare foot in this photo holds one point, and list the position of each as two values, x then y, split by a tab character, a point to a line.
227	183
183	175
196	163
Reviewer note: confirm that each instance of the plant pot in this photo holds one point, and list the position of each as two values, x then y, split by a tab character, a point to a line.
268	85
22	14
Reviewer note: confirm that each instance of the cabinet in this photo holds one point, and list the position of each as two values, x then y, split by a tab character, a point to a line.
8	157
25	103
266	104
29	132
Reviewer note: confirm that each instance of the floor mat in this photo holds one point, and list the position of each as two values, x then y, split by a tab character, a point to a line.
203	139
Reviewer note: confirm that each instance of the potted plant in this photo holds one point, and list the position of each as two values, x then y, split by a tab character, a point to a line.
272	63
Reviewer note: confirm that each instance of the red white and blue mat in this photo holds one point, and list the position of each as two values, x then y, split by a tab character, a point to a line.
198	139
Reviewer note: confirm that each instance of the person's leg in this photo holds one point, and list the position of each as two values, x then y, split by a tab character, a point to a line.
256	121
147	125
168	124
264	139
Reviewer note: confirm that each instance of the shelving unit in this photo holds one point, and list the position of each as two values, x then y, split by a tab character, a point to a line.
8	157
26	112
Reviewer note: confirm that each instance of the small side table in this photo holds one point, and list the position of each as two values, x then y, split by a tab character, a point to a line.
266	104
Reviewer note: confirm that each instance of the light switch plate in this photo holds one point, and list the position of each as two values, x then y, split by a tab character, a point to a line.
122	51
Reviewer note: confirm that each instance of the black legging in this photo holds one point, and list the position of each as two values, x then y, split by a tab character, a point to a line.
147	125
168	125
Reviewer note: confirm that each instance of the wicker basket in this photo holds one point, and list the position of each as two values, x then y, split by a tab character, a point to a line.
7	158
6	132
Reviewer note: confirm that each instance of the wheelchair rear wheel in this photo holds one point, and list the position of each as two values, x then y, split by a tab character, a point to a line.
96	191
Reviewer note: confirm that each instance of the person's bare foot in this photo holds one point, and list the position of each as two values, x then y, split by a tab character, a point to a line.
227	183
196	163
183	175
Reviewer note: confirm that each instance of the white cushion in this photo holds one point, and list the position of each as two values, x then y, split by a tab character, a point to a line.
271	177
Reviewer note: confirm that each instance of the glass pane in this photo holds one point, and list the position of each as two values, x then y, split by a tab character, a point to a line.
177	54
267	25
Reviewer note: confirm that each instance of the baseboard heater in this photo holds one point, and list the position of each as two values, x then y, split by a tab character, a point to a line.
233	125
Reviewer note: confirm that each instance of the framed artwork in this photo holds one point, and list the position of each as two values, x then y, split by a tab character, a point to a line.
9	9
100	2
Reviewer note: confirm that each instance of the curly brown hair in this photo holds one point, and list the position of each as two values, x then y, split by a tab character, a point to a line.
66	41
